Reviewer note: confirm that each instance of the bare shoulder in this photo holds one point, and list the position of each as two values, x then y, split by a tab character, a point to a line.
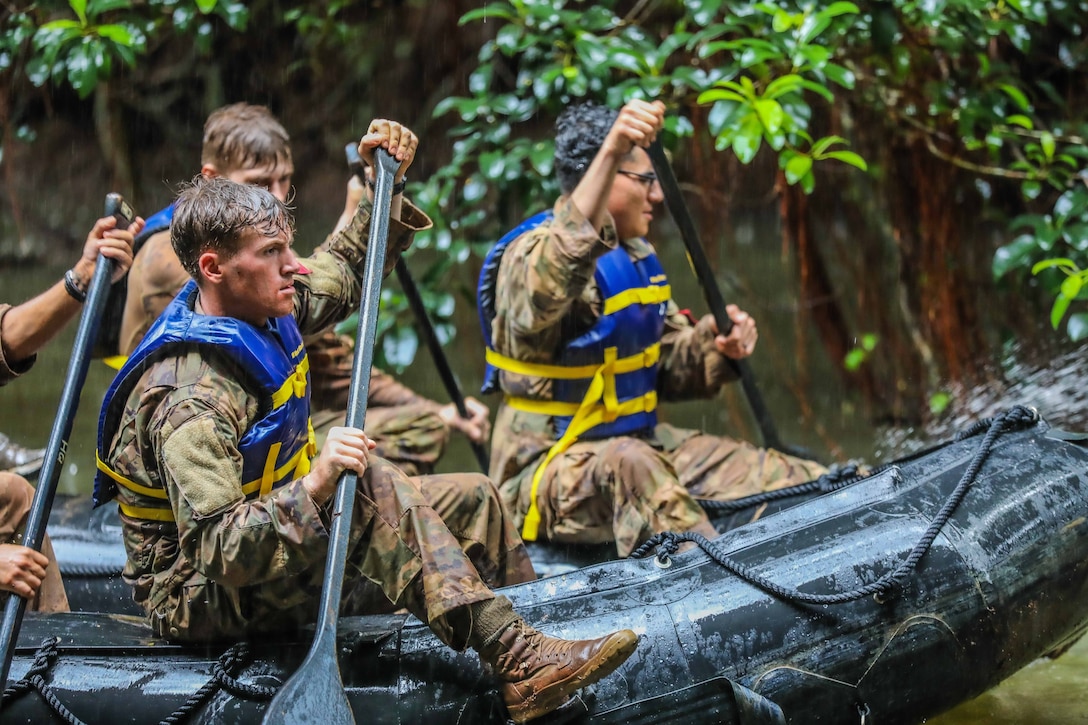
158	266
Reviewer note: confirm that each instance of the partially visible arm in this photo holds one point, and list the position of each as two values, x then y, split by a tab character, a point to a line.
28	327
332	291
334	286
155	279
355	194
386	391
21	570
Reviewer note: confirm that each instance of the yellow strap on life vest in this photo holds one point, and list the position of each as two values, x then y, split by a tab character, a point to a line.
116	361
645	359
599	405
128	483
653	295
146	514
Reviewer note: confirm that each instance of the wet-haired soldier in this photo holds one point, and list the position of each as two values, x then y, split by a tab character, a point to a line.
586	341
206	444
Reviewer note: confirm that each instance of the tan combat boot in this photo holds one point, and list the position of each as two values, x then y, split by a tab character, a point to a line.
539	672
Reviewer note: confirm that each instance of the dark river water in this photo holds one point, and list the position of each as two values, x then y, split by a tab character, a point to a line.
1044	692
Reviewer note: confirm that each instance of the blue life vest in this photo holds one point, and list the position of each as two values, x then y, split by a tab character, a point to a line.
634	295
157	222
276	448
485	289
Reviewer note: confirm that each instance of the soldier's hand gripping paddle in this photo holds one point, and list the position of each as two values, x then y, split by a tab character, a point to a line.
315	693
34	532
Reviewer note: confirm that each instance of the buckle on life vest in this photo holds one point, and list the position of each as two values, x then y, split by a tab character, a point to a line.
298	382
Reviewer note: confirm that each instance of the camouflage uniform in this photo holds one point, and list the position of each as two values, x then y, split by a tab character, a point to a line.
229	567
405	426
621	489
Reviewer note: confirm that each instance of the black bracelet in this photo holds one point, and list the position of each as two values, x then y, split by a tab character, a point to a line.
72	288
398	187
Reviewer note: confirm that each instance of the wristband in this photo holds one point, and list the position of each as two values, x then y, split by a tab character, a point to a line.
398	187
71	286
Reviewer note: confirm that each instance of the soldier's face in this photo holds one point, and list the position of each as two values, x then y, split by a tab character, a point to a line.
634	193
258	279
276	176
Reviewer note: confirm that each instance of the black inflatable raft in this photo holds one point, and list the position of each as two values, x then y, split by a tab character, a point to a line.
889	600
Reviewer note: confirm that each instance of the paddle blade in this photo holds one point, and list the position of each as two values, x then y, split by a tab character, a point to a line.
314	694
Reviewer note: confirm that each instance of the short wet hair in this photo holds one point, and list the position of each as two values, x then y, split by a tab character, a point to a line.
244	136
580	131
214	214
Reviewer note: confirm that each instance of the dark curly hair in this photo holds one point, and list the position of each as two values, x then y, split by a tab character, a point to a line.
579	134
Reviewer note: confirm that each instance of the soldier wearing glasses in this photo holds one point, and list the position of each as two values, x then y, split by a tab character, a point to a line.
584	340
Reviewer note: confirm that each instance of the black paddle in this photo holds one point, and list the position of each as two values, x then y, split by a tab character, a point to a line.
674	200
415	301
315	693
34	532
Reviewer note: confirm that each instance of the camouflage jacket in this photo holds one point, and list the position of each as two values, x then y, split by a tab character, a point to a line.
180	431
545	295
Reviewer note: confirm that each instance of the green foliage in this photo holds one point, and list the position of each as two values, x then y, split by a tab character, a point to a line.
770	58
939	402
82	51
1073	286
991	87
1063	230
860	352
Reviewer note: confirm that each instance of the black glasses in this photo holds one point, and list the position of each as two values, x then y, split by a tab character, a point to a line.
648	179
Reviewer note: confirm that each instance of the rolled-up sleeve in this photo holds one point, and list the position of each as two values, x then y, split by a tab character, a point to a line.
332	289
11	369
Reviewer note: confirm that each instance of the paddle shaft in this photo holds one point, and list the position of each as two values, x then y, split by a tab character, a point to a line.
316	691
57	448
415	301
674	200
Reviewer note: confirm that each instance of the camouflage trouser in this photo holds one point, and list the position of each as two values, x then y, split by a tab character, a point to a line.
409	436
16	496
627	489
433	545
